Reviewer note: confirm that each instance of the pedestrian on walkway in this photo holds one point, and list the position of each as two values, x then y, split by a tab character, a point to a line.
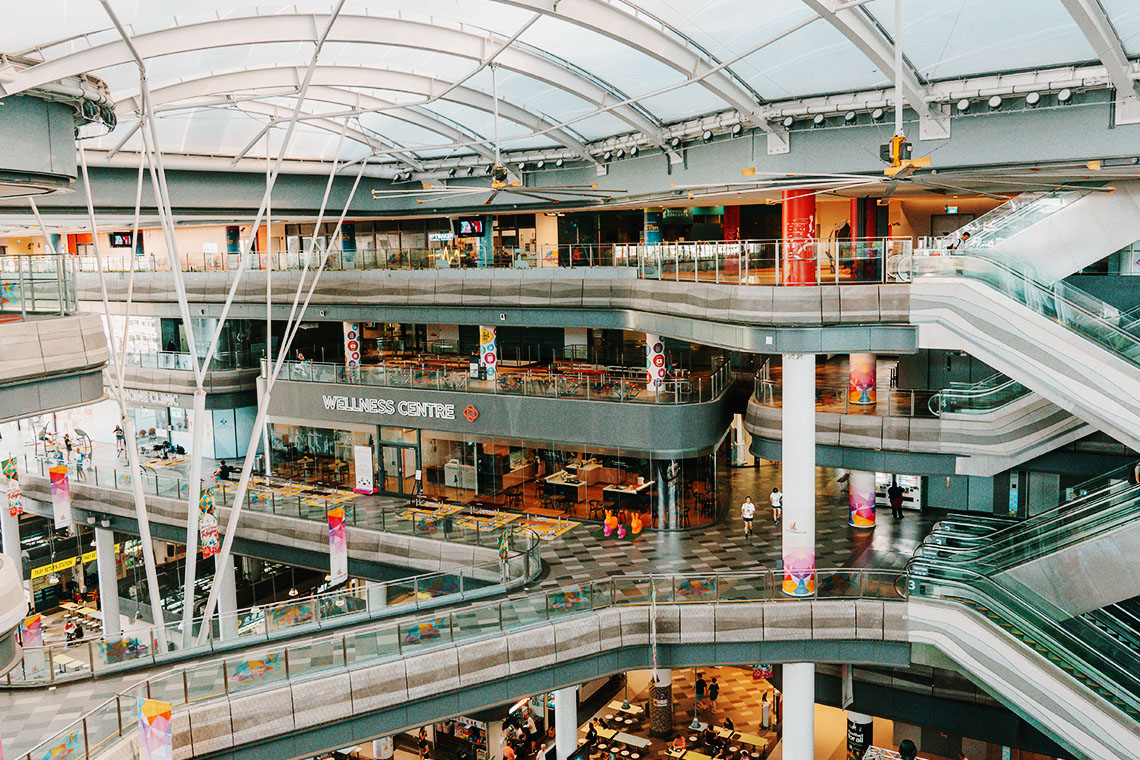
120	440
777	498
747	512
702	684
67	445
714	693
895	497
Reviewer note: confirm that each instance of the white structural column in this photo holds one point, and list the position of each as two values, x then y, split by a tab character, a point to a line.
227	602
565	722
108	582
799	711
10	528
798	418
384	748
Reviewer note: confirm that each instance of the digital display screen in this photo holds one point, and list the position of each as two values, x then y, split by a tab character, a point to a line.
469	227
120	240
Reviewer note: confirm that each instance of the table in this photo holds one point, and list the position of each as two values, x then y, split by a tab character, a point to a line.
624	738
740	736
558	484
544	512
686	754
632	709
627	497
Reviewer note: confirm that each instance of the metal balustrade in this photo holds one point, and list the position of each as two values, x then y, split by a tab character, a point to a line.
39	284
836	399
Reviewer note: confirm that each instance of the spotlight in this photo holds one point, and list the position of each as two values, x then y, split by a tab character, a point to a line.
621	153
607	155
522	166
470	170
451	172
489	169
1065	95
706	135
559	163
675	142
634	151
788	122
540	164
1033	99
849	117
737	130
817	120
994	103
963	105
877	115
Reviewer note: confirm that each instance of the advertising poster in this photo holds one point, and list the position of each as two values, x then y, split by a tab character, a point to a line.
654	360
208	524
290	615
60	497
338	546
365	478
860	729
156	734
489	351
352	348
250	671
14	497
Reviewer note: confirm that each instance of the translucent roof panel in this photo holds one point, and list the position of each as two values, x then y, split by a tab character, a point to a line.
569	73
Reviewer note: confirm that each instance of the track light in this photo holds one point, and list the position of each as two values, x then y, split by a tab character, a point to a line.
788	122
817	120
994	103
634	151
607	155
1033	99
877	115
849	117
675	142
559	163
292	592
522	166
963	105
470	171
452	171
489	169
737	130
620	153
1065	95
706	135
540	164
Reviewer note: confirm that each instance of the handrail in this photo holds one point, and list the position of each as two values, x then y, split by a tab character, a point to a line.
116	716
38	284
610	386
835	399
988	395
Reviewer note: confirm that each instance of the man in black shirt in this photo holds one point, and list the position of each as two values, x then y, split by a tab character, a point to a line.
895	497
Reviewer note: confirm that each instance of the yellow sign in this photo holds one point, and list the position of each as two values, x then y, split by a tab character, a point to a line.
64	564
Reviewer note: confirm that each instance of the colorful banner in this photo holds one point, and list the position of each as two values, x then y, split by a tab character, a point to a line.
60	497
861	499
14	496
362	461
9	468
32	632
861	385
489	351
124	650
338	546
156	733
799	560
352	349
72	746
290	615
654	360
208	524
420	633
251	671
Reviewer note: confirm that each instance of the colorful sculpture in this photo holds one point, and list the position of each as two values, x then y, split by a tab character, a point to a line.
609	524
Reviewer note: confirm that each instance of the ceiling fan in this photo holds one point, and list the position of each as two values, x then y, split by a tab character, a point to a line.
502	180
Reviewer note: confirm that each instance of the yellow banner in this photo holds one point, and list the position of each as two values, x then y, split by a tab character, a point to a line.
64	564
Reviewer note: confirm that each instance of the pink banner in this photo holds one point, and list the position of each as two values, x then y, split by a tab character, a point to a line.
15	498
60	496
32	632
338	546
156	734
208	525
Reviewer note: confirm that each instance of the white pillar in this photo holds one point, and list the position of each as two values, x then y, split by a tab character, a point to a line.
654	362
108	582
383	748
799	710
227	603
565	722
495	739
352	351
798	522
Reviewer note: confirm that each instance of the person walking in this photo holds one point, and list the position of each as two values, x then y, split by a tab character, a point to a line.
777	497
67	445
895	497
120	440
747	512
702	685
714	693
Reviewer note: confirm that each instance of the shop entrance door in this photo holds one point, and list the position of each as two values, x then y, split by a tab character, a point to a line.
398	465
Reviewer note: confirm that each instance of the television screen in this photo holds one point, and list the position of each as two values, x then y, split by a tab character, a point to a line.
120	240
470	227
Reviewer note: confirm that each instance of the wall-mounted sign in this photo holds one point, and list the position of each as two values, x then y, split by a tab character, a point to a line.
153	398
440	237
389	407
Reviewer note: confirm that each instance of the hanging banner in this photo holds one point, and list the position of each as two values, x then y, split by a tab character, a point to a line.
654	360
60	496
338	546
365	479
156	733
352	349
208	524
847	686
14	497
489	351
32	632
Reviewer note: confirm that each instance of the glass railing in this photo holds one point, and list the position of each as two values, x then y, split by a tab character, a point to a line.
622	384
1015	215
247	671
1088	654
40	284
1070	307
180	360
982	397
892	402
145	647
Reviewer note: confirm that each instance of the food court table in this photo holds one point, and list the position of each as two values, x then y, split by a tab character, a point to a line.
740	736
632	709
686	754
621	736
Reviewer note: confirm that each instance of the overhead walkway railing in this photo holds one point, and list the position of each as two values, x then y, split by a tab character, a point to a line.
246	358
982	397
622	384
39	284
249	671
836	399
141	648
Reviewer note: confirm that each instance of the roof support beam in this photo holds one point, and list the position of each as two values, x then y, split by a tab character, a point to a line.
1095	25
860	31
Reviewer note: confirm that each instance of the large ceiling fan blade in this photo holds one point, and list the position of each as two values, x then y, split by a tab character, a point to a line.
957	188
491	198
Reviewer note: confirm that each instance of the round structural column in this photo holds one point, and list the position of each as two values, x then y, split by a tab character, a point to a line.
861	498
798	522
227	603
799	236
565	722
352	350
108	582
860	734
861	379
798	688
661	704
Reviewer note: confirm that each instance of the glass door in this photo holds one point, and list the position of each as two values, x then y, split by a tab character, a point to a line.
398	465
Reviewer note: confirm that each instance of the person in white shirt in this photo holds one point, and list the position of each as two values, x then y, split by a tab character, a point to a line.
777	497
747	512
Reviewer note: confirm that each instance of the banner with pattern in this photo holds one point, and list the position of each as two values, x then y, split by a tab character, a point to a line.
208	524
156	733
60	496
338	546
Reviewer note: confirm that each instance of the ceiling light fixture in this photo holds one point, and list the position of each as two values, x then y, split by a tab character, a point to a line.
675	142
706	135
994	103
849	117
470	170
559	162
963	105
540	164
877	115
788	122
634	151
621	153
817	120
1065	95
451	172
607	155
1033	99
737	130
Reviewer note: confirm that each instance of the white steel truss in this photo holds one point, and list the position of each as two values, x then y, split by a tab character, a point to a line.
1090	17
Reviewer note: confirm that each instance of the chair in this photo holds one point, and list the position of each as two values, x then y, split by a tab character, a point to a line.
685	516
597	509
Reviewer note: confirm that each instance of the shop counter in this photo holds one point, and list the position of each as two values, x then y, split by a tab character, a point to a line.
561	483
628	497
588	472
